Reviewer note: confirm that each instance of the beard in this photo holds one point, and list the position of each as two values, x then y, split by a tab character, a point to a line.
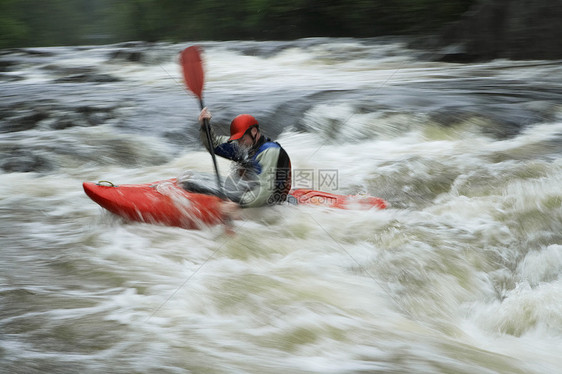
243	152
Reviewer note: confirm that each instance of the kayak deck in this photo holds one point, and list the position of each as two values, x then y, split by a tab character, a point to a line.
330	200
167	203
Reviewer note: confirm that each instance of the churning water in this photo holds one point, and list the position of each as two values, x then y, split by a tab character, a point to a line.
462	274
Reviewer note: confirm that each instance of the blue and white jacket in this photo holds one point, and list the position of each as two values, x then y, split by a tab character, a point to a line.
265	170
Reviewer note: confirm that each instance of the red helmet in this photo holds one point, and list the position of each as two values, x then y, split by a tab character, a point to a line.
240	124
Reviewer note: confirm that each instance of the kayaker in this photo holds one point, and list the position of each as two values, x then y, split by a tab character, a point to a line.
262	173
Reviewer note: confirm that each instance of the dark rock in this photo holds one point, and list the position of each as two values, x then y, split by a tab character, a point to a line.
22	123
135	44
6	65
514	29
249	48
24	161
456	53
69	120
87	78
497	127
98	118
10	78
32	52
96	115
66	122
131	56
83	116
69	70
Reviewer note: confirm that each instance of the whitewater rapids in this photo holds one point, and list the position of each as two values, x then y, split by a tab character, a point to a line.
462	274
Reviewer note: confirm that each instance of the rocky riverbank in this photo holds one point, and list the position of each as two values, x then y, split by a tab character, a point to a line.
513	29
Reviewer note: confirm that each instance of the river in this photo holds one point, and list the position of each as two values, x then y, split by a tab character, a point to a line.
461	274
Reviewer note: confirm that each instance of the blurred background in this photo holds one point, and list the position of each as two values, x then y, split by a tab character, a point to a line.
40	23
487	28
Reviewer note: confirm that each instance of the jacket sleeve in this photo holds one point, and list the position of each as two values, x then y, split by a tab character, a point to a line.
216	139
221	146
260	194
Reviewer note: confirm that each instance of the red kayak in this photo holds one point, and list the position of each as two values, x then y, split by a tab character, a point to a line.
167	203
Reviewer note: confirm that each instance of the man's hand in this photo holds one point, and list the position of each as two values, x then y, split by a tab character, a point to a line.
204	115
230	209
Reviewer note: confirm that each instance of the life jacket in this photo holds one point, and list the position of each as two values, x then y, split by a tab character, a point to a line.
282	171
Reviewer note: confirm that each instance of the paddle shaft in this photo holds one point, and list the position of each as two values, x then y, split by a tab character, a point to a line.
207	126
194	76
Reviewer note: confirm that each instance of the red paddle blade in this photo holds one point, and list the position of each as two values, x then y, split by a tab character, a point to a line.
192	68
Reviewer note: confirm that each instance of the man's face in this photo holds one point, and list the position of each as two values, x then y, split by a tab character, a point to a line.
246	141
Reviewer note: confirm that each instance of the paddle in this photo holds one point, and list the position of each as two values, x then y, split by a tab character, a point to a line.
194	77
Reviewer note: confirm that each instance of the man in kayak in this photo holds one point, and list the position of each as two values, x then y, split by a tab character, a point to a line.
262	174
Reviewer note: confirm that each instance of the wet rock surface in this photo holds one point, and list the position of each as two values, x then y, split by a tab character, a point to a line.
73	105
513	29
